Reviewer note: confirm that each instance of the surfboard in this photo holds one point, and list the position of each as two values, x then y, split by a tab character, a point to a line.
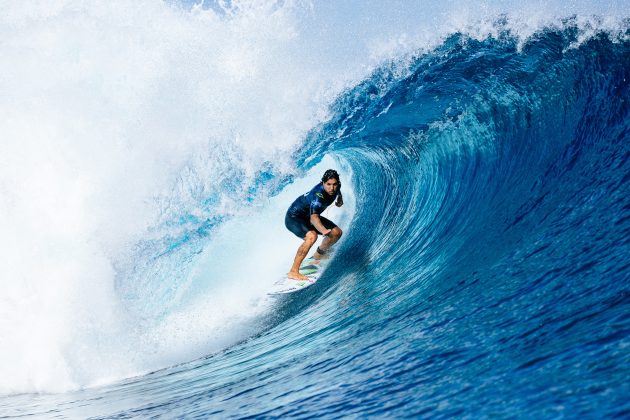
310	268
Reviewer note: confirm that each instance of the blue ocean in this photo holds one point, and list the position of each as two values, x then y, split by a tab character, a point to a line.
150	151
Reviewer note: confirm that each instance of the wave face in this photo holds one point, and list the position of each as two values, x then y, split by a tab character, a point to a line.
489	250
484	271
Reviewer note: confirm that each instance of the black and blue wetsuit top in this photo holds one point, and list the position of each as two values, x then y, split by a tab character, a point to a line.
313	202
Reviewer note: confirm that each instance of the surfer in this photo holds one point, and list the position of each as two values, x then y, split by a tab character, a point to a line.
305	221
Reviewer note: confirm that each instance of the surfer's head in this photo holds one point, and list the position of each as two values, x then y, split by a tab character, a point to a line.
331	181
330	173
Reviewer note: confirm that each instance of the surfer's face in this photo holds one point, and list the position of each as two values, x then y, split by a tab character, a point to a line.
331	186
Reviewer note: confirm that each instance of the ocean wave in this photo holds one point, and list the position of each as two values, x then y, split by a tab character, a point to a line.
485	243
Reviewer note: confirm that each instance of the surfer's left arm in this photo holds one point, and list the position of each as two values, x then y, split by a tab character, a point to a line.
339	201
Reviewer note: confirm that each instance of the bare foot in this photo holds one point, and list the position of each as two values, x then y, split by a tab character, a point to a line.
296	276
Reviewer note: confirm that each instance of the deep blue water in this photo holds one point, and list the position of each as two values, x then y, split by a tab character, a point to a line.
486	271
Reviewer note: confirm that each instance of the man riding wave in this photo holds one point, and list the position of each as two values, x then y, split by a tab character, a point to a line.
305	221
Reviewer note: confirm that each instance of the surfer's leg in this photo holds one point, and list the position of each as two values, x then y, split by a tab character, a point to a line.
309	239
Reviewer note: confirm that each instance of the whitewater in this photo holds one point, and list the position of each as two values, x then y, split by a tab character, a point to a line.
150	150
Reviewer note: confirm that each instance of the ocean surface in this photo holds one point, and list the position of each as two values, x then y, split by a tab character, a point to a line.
148	158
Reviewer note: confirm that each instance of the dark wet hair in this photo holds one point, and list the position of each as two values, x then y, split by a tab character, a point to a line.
331	173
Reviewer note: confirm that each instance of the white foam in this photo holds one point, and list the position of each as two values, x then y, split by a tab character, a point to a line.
104	107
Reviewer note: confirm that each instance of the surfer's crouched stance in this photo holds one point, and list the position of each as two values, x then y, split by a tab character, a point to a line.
304	220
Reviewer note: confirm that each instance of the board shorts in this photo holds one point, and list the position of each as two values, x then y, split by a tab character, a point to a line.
300	226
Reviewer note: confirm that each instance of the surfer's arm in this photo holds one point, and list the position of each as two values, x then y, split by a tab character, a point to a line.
339	201
315	221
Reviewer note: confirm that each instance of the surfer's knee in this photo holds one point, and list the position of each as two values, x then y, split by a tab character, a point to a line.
336	232
310	237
